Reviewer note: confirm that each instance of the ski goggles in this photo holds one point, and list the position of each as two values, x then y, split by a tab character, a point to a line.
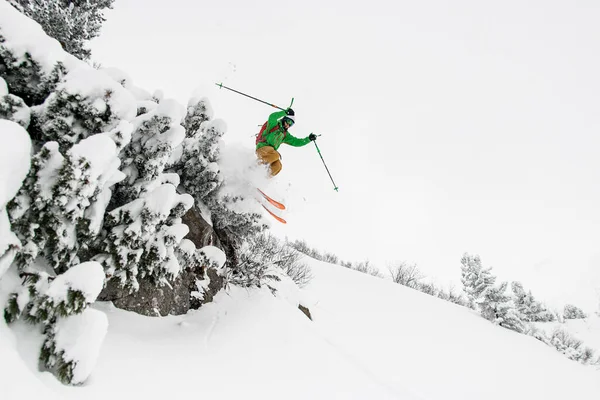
289	121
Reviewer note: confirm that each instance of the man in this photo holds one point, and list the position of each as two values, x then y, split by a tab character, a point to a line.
272	134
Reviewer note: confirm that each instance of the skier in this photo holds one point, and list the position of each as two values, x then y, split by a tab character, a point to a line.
272	134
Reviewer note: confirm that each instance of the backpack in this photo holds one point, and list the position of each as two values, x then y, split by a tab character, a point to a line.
260	137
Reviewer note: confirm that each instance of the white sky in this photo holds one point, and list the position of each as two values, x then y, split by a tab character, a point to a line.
449	126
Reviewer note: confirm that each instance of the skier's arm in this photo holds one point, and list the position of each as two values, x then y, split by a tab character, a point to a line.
294	141
273	118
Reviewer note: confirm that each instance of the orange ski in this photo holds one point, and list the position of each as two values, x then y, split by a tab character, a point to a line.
270	200
278	218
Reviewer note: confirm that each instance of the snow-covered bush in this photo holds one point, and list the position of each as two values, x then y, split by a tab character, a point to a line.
530	309
72	23
573	312
572	347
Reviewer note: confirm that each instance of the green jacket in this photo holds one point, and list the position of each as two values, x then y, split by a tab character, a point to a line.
280	135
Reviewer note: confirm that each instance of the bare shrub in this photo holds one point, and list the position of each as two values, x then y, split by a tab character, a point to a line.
404	274
262	253
366	268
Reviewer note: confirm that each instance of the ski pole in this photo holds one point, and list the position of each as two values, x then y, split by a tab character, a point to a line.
220	85
320	155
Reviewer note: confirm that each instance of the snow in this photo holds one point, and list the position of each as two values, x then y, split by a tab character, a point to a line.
80	337
214	254
178	231
17	380
101	152
369	339
121	134
173	109
3	87
23	114
23	35
14	166
14	159
8	243
163	198
49	174
87	277
125	80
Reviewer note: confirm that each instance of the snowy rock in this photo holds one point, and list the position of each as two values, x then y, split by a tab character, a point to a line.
151	300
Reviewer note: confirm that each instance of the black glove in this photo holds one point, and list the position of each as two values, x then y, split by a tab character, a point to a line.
312	137
289	111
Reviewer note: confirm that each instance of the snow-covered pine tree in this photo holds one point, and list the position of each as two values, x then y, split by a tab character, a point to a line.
573	312
144	229
57	212
155	135
72	23
60	207
498	307
531	310
197	162
475	278
60	305
86	102
25	77
144	238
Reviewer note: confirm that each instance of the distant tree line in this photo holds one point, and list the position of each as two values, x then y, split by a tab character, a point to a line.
516	309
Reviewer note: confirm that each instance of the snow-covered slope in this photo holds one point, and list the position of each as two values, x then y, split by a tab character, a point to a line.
370	339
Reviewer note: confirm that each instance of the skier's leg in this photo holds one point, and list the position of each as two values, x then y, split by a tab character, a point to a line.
268	155
276	167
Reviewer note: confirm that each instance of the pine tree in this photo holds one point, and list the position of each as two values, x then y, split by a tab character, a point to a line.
496	306
475	278
72	23
530	309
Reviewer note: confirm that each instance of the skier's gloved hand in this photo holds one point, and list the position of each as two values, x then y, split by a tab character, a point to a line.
312	137
289	111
